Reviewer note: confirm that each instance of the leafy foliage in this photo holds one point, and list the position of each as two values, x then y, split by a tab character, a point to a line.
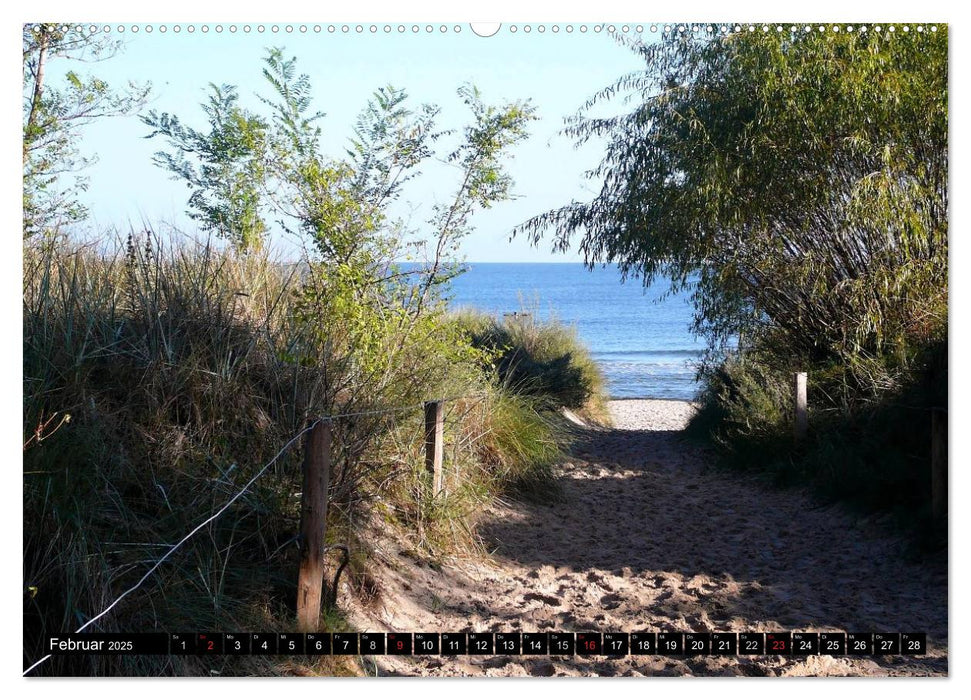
378	333
226	184
53	114
801	179
801	176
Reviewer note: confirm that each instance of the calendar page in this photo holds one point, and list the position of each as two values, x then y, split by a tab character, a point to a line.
523	349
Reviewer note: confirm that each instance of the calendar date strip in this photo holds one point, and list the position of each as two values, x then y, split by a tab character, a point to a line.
604	644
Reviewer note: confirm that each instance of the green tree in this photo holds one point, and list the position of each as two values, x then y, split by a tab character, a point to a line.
378	328
342	207
224	168
53	114
802	176
383	325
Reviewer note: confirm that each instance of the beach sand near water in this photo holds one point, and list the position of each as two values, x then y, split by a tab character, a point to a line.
652	414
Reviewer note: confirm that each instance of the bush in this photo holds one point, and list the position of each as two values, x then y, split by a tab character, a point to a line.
545	361
873	453
743	406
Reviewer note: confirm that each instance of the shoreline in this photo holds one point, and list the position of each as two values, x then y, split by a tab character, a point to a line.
652	398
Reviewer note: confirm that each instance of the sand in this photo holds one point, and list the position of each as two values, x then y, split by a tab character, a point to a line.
650	537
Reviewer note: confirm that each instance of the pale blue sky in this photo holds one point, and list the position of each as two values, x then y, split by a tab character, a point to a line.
557	71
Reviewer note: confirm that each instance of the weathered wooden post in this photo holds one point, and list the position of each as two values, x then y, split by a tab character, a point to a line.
801	416
434	450
938	462
313	524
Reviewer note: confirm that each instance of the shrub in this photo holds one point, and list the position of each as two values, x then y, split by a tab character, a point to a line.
545	361
742	405
873	454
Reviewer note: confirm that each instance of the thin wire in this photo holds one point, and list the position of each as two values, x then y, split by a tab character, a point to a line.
185	539
399	409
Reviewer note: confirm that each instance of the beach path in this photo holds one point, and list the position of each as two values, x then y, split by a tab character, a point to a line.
650	537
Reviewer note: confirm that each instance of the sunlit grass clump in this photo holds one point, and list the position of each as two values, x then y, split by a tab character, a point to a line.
542	359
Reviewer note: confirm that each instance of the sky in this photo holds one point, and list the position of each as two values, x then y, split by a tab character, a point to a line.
556	71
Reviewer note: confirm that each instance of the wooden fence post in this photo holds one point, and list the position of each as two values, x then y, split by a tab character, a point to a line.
938	462
801	416
313	523
434	450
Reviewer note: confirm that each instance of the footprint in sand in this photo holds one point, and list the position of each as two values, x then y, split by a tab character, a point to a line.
566	618
595	577
495	662
546	599
542	669
611	601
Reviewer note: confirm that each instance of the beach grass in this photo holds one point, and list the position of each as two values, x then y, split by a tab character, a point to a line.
158	380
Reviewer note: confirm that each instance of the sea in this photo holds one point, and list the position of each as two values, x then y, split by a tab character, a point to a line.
640	337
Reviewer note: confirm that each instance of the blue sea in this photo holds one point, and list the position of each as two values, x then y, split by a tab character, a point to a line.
643	343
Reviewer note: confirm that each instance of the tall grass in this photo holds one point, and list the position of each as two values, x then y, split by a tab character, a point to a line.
184	369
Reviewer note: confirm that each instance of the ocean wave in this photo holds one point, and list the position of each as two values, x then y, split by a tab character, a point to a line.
668	380
685	389
676	352
675	367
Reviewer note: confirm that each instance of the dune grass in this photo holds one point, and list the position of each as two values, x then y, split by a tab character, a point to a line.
183	370
871	454
544	360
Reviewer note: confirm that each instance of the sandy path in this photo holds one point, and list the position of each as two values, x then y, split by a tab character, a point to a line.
648	539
